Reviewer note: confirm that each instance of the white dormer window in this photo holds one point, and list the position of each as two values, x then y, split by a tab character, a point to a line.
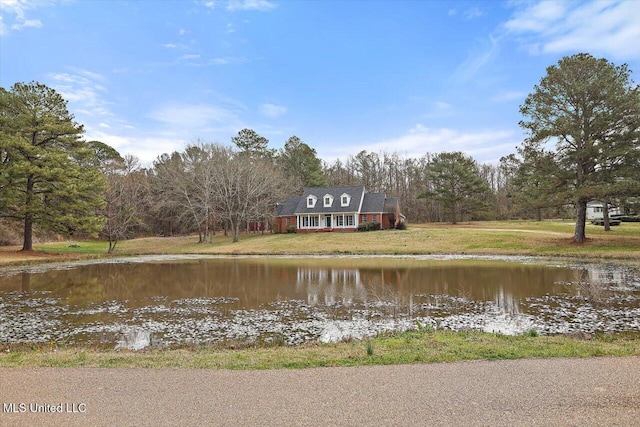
328	200
311	201
345	199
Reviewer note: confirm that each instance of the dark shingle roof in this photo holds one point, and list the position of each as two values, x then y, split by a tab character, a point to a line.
288	208
355	192
373	203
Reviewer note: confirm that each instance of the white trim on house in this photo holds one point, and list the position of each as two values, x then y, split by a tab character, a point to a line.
333	208
319	221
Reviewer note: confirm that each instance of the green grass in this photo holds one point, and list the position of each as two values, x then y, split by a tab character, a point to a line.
546	238
425	346
86	247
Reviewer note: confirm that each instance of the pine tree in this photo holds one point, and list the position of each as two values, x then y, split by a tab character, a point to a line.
457	185
49	175
590	109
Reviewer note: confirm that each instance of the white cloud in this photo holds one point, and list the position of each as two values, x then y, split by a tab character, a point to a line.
14	14
610	28
508	95
84	89
27	23
476	60
175	126
486	145
227	60
442	106
145	147
262	5
539	17
272	111
472	13
194	117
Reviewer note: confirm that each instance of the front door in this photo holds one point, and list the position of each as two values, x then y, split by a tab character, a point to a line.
327	221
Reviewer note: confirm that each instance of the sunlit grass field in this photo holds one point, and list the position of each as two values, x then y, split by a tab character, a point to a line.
547	238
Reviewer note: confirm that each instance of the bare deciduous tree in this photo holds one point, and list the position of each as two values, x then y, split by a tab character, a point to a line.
246	189
126	199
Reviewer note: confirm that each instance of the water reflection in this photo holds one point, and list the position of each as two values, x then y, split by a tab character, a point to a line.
300	299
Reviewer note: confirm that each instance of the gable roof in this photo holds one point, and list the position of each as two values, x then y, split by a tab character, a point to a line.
288	207
356	193
373	203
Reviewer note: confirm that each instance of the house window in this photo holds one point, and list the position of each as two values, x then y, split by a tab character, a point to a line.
349	220
310	221
345	199
374	218
328	200
311	201
364	218
339	221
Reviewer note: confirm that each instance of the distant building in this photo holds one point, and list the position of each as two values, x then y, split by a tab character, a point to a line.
336	209
595	212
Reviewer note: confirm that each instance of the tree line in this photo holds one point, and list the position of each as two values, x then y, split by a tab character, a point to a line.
582	123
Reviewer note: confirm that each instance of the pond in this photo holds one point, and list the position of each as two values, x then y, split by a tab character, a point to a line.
170	301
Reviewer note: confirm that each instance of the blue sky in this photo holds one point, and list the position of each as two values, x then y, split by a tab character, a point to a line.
412	77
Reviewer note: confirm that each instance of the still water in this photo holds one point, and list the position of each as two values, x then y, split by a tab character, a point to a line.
169	301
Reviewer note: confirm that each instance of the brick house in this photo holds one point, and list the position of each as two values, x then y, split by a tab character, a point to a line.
336	209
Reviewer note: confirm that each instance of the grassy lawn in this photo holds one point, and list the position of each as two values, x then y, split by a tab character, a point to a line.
411	347
546	238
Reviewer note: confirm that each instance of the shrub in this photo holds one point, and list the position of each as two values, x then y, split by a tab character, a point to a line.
368	226
401	226
291	229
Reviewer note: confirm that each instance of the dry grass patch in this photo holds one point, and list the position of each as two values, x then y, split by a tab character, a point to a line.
547	238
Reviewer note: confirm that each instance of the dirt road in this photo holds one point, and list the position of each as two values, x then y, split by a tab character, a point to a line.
578	392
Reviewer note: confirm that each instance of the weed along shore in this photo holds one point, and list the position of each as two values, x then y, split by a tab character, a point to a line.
350	299
422	346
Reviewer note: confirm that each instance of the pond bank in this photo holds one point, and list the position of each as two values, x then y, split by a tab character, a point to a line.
424	346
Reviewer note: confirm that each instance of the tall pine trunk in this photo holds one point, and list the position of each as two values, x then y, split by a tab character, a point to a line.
605	215
27	242
581	218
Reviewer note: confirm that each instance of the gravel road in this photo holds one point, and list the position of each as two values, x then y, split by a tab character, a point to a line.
548	392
